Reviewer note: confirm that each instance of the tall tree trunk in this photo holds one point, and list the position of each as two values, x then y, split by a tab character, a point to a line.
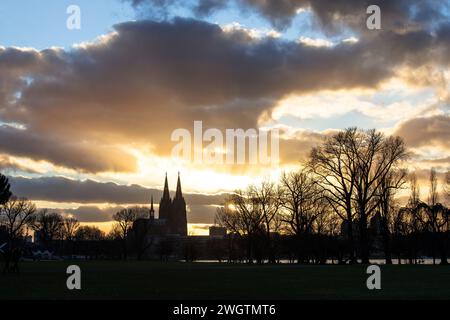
433	250
364	239
125	252
443	248
351	238
250	249
386	241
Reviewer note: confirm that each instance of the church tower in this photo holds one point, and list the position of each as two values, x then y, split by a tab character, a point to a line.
165	203
152	211
179	222
173	212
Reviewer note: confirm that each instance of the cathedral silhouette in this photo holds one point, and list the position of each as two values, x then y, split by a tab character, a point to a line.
172	218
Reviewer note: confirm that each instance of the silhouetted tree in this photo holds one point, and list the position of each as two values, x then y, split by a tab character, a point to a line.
266	198
5	193
303	203
414	219
436	220
241	215
70	227
125	219
16	215
89	233
387	187
49	226
335	165
376	157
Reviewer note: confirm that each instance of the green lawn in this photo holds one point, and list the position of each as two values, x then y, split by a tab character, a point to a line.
151	280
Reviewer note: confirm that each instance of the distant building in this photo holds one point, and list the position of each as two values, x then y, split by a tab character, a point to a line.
173	212
172	218
217	232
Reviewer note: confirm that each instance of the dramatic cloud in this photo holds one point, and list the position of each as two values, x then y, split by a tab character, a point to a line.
107	106
89	214
201	208
426	132
161	8
9	165
296	147
332	15
69	153
198	214
59	189
132	88
397	14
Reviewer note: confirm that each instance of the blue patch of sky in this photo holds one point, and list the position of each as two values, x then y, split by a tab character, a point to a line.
303	24
42	24
336	122
389	96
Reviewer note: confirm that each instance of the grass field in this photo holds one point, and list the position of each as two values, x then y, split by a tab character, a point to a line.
151	280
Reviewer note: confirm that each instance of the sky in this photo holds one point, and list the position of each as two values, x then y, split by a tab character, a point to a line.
86	115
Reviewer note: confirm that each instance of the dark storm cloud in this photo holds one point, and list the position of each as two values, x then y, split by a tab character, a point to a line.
89	214
161	8
72	154
201	214
149	78
423	132
93	214
396	14
296	149
332	15
59	189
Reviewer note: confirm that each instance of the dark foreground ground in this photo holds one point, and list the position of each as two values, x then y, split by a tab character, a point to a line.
150	280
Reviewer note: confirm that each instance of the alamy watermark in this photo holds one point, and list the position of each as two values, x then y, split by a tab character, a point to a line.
234	146
73	22
373	21
74	280
374	280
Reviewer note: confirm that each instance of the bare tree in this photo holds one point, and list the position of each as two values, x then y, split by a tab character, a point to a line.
49	226
16	215
124	220
335	165
70	227
436	219
376	157
266	198
414	217
414	197
302	205
88	233
433	196
387	188
241	215
351	165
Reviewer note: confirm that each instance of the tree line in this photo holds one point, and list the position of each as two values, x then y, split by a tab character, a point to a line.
54	231
331	206
328	210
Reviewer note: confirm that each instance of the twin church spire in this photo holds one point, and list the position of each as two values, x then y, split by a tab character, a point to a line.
166	192
173	212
